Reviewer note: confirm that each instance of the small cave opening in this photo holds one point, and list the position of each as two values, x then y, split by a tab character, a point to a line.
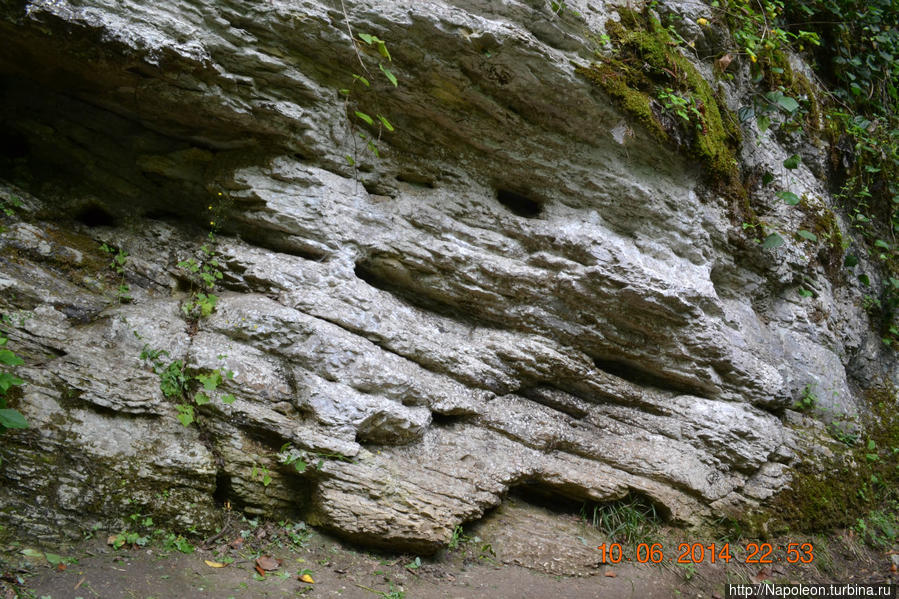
633	518
448	420
416	180
519	204
94	215
644	378
222	491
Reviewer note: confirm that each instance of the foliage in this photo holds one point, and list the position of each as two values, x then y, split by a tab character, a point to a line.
117	265
854	48
301	459
7	207
808	401
203	275
644	68
368	49
632	520
859	488
190	387
9	418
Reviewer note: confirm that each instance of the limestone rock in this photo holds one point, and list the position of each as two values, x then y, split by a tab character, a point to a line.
525	288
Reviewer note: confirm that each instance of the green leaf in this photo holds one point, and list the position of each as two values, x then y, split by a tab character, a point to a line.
792	162
228	399
12	419
210	381
365	117
894	282
386	123
33	553
362	80
390	76
382	48
789	197
772	241
767	178
201	398
7	380
879	243
53	558
368	39
185	414
807	235
350	160
764	122
850	261
805	292
788	103
9	358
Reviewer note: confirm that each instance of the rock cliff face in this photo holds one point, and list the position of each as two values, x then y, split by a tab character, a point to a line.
525	287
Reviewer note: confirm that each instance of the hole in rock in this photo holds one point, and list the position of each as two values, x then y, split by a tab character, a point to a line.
448	419
519	204
222	491
643	378
95	216
633	518
416	180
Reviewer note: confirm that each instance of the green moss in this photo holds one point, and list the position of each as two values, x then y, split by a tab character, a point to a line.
856	483
822	221
778	74
646	61
617	80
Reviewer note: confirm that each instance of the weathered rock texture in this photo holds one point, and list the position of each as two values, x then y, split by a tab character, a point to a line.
523	288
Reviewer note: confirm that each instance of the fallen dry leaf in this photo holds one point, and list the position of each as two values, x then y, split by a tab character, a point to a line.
724	62
307	578
212	564
764	574
236	543
610	574
893	568
60	567
268	563
261	571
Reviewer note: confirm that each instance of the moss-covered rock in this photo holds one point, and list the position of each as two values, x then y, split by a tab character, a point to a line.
645	63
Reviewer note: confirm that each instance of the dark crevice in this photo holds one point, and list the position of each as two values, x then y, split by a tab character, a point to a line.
643	378
556	399
164	216
223	491
94	215
365	271
448	420
519	204
290	247
536	492
416	180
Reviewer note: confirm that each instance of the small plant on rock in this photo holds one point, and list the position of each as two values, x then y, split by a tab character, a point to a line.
176	381
9	418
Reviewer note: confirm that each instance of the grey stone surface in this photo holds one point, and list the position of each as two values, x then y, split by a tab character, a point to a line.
523	289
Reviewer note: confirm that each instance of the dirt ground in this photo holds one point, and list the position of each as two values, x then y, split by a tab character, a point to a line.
521	550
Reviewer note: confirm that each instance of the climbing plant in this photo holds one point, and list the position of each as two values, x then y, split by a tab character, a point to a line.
369	49
853	48
9	418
